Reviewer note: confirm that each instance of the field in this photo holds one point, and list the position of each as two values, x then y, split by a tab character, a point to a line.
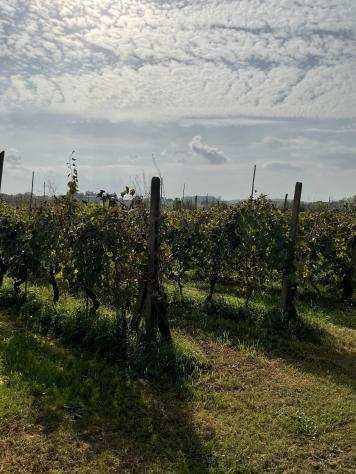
258	400
138	342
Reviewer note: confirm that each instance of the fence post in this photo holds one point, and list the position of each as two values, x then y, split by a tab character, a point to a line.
155	314
353	260
31	195
289	286
349	277
196	202
253	183
285	202
2	157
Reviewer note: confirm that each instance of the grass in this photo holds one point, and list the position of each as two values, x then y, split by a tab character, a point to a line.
100	333
255	399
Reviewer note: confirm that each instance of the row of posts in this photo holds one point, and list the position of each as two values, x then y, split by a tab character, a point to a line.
288	285
289	280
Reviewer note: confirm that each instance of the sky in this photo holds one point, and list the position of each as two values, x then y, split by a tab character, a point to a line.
197	91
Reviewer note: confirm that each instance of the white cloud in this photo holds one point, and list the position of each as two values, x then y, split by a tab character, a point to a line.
341	159
152	60
210	154
280	167
301	150
297	142
13	158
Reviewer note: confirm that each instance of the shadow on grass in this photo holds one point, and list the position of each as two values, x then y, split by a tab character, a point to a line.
337	312
331	304
102	334
305	344
143	424
327	301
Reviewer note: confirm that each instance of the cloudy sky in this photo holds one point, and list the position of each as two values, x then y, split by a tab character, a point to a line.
200	90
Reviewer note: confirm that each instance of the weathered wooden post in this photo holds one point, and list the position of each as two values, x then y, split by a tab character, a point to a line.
2	265
289	286
155	310
31	195
349	277
196	202
285	202
2	158
353	264
253	183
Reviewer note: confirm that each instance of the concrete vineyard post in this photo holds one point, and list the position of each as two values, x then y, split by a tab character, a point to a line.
289	284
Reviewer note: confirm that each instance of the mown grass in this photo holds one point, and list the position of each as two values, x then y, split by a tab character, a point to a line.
261	399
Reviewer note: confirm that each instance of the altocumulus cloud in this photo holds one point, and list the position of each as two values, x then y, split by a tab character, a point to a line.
116	60
280	167
207	152
13	159
345	160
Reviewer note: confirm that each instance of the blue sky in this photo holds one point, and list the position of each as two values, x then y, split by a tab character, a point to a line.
203	90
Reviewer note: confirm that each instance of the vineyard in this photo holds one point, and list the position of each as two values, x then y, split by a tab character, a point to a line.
101	251
128	330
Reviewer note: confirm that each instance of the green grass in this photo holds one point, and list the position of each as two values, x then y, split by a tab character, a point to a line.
252	397
100	333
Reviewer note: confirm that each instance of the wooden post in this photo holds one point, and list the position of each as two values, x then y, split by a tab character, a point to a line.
289	286
162	194
196	202
2	158
155	305
353	266
31	195
285	202
349	276
253	182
